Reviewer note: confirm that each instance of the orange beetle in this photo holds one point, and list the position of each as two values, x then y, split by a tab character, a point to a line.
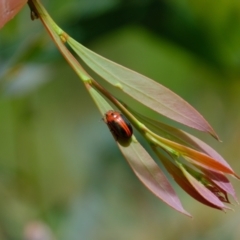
118	125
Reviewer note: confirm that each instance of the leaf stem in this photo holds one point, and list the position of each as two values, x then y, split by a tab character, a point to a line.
59	37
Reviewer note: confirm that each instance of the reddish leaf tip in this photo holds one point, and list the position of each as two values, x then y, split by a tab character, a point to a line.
187	214
214	134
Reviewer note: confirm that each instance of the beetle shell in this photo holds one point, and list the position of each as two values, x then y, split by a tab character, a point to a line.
118	124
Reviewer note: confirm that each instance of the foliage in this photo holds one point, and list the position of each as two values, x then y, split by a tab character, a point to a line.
195	181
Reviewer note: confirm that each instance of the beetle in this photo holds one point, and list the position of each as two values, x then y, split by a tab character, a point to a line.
118	124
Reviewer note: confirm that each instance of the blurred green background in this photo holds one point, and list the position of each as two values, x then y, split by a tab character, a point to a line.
61	173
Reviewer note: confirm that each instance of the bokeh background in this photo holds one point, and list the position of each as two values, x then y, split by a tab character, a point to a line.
61	173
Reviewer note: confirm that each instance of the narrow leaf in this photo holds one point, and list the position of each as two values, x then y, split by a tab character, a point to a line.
143	89
151	175
185	184
202	190
221	181
143	165
208	182
181	137
199	158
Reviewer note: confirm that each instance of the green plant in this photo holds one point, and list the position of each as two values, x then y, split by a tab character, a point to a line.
195	166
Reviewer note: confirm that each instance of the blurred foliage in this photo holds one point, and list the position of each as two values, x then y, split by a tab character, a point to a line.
59	165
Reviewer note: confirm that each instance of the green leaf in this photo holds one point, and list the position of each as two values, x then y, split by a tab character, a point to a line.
143	89
187	139
197	157
221	181
189	184
143	165
203	191
151	175
181	137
